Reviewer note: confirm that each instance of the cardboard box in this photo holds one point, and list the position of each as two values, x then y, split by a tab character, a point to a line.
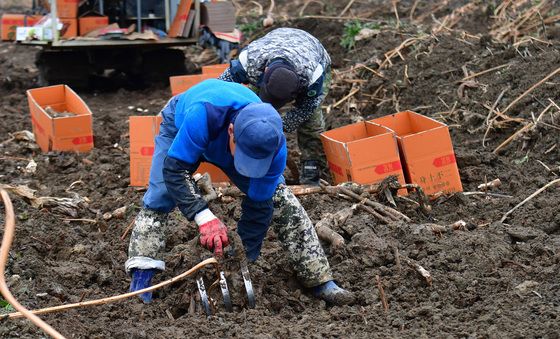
10	23
71	133
219	16
143	130
214	69
87	24
426	151
181	83
70	28
363	152
64	8
67	8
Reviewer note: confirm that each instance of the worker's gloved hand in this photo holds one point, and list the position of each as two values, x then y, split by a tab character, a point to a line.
213	233
310	173
333	295
142	279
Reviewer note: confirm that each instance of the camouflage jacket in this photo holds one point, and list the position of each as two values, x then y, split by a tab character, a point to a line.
303	51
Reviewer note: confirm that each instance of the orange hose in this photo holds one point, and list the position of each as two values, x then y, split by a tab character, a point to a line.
9	231
197	267
6	243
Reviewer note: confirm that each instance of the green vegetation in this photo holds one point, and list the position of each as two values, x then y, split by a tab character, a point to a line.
351	29
5	306
251	27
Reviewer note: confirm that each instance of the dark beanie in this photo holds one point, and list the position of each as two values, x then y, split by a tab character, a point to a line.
280	84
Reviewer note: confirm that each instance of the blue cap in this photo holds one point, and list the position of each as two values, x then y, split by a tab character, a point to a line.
258	136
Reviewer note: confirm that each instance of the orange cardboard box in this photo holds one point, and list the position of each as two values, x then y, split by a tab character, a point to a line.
181	83
87	24
215	69
66	8
10	22
426	151
73	133
363	152
143	130
72	29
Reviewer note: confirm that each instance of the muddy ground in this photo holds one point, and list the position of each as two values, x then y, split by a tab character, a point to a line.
491	279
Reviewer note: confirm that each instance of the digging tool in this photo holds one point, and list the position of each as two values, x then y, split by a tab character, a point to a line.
228	305
248	285
203	296
225	292
234	255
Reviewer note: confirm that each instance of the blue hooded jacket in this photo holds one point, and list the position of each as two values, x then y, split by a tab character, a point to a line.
199	125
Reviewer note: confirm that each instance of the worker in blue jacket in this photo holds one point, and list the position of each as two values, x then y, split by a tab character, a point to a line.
226	124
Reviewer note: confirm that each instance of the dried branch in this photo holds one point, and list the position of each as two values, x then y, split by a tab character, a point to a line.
387	214
382	293
537	192
421	270
485	71
325	231
550	75
346	8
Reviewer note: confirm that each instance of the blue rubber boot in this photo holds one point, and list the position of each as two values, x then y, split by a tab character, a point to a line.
142	279
333	295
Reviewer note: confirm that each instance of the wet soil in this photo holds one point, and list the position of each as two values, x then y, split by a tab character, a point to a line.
491	279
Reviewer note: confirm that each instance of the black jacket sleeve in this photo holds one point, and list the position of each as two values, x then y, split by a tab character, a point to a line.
181	186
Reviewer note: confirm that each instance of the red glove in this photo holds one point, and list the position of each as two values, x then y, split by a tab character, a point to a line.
213	233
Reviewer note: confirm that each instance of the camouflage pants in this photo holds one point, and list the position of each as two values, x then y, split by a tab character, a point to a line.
147	241
299	239
291	223
308	134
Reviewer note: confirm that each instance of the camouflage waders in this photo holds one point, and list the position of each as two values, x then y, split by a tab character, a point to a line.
308	133
290	222
299	239
147	241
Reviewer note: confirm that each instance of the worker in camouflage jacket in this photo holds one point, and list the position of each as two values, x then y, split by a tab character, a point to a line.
288	65
225	124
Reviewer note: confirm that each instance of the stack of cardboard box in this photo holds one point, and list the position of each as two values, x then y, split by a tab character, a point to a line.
413	147
67	11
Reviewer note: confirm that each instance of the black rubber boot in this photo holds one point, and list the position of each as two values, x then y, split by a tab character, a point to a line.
310	173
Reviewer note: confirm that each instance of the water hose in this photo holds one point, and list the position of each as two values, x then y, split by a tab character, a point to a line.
6	242
9	231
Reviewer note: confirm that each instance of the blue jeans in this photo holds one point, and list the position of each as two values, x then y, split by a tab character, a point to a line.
157	198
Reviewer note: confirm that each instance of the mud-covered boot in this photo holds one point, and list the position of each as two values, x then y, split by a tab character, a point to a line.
310	173
145	250
333	295
147	241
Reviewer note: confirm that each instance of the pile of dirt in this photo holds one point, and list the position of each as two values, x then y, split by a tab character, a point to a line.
489	278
